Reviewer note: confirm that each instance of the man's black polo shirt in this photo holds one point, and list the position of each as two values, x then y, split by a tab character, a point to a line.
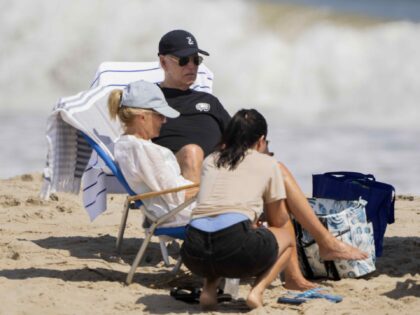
202	121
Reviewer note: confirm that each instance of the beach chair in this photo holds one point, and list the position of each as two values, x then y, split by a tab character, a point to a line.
80	124
134	201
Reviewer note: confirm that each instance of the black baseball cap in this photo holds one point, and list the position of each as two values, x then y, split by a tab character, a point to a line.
179	43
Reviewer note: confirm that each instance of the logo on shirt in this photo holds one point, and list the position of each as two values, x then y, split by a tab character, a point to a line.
190	41
202	107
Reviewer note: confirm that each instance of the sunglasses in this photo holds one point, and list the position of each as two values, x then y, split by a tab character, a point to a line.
183	61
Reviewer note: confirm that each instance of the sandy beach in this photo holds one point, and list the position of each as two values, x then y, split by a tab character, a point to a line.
54	261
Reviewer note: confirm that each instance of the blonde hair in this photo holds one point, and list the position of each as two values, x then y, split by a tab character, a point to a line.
125	114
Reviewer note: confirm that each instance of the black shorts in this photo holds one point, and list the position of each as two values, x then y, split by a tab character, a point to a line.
235	252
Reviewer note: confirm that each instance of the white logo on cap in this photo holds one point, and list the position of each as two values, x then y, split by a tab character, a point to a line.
190	40
202	107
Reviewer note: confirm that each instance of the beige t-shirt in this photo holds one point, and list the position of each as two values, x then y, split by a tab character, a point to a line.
256	180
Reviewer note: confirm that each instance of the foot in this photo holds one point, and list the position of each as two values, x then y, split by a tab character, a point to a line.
298	284
208	300
336	250
254	299
208	296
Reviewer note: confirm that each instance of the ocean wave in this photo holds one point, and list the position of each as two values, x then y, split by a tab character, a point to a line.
300	65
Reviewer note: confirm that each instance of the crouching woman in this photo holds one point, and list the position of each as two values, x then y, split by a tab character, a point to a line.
223	239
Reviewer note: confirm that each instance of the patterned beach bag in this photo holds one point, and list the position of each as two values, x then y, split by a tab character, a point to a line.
380	197
346	220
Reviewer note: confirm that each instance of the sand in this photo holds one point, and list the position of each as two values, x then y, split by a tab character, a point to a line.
54	261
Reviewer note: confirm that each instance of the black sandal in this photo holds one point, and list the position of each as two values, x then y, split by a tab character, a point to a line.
192	295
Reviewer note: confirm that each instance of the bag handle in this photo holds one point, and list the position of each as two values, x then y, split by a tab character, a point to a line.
300	247
331	270
351	175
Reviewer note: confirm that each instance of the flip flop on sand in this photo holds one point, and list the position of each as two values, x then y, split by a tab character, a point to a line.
297	298
192	295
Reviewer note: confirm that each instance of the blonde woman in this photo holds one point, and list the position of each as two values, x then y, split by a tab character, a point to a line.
142	109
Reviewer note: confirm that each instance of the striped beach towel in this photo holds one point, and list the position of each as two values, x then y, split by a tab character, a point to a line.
69	157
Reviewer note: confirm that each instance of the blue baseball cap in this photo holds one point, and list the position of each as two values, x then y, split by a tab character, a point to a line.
146	95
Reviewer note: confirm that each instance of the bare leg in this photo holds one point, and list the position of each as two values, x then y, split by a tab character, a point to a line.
190	158
329	247
293	277
255	296
208	296
277	215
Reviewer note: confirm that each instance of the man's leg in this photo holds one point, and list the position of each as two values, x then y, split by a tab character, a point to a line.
329	247
277	215
190	158
293	276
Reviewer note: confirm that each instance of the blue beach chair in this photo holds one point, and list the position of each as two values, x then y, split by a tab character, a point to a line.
134	201
79	124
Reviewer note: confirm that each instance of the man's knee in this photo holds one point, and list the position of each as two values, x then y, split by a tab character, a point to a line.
284	170
191	154
190	158
281	166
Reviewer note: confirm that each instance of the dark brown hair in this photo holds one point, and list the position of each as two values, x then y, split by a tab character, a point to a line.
242	132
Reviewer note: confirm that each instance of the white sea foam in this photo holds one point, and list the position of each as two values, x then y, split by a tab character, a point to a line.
328	72
362	79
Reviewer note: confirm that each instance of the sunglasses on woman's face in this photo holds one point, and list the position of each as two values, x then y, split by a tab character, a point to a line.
183	61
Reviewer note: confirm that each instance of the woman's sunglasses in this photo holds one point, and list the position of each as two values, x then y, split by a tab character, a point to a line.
183	61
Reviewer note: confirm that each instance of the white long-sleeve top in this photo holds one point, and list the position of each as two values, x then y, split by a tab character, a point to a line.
149	167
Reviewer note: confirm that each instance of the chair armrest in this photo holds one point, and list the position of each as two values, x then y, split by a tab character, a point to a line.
162	192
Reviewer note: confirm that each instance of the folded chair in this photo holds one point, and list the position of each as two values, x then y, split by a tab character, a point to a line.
81	123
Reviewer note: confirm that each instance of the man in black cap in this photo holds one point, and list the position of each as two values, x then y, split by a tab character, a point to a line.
197	131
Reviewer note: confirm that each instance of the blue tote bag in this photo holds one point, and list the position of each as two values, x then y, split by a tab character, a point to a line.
380	197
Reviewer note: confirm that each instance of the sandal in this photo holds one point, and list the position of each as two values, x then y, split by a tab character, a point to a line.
192	295
302	297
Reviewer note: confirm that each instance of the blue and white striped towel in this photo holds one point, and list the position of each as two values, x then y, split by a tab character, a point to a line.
68	153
